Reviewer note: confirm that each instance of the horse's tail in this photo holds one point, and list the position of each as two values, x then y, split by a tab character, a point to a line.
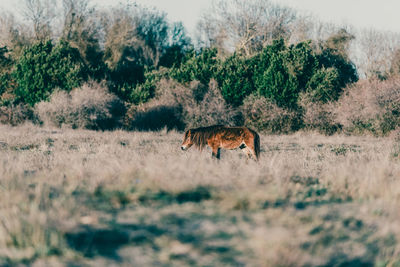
256	145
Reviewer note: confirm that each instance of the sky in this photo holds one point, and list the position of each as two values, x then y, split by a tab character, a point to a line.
379	14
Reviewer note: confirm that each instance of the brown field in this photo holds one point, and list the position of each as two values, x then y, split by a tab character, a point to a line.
86	198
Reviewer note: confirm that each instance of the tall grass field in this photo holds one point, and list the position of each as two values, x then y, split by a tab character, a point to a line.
86	198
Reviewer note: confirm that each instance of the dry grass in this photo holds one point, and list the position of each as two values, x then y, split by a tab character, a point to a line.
128	198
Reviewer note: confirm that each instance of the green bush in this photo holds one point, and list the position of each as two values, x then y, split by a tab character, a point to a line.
324	85
347	72
127	74
44	67
282	72
6	63
235	78
279	73
200	66
5	82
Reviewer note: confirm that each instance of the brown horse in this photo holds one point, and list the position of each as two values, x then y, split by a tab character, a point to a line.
220	136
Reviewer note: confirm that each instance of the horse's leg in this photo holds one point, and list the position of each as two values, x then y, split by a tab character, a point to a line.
216	151
246	150
214	147
250	149
253	154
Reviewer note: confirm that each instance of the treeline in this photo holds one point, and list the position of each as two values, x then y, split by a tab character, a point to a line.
252	62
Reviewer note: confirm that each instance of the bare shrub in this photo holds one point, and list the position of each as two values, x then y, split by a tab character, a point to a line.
156	118
212	109
318	116
262	114
165	110
370	106
16	114
178	106
87	107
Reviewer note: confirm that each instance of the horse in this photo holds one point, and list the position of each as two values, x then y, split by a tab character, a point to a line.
220	136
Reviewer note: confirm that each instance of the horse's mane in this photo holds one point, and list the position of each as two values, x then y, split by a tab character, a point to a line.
200	135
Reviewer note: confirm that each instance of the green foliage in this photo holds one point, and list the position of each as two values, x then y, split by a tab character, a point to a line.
44	67
5	70
180	43
235	79
200	66
153	28
128	73
97	68
5	82
282	72
324	85
347	72
279	73
140	41
5	61
278	84
137	93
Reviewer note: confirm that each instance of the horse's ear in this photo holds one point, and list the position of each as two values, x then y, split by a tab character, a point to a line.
187	134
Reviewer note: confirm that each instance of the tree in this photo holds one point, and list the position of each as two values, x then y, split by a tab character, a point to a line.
44	67
395	63
201	66
5	69
245	26
14	35
137	41
282	72
235	79
41	15
335	54
82	31
179	45
376	52
324	86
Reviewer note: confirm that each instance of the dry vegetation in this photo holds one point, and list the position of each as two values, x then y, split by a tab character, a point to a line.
77	197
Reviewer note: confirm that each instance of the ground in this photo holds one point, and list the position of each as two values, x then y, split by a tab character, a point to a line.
85	198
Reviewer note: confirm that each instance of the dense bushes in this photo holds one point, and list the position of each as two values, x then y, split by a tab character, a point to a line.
265	91
201	66
370	106
235	78
262	114
16	114
150	68
88	107
318	115
5	69
279	73
178	106
43	67
139	41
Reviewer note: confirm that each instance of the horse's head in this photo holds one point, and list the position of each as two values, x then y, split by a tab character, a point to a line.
187	140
